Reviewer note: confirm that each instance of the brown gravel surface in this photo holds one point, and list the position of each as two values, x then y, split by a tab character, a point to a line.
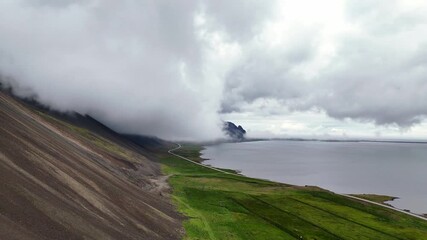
62	181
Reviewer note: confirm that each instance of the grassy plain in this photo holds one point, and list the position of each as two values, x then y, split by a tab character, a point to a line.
224	206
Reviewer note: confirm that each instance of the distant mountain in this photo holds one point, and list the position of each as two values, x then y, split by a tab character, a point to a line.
236	133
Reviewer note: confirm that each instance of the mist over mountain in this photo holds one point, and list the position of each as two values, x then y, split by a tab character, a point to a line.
178	70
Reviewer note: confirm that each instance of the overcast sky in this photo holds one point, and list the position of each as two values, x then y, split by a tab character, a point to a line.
327	69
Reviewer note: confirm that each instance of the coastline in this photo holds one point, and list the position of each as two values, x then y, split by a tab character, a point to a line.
383	200
219	204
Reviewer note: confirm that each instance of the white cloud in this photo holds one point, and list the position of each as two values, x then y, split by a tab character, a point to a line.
167	69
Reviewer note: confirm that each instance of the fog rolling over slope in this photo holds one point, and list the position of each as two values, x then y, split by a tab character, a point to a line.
176	71
76	179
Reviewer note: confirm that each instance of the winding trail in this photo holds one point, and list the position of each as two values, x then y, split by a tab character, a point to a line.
382	205
171	151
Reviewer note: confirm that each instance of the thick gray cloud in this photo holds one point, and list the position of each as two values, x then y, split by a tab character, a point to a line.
375	68
241	20
161	68
122	61
381	72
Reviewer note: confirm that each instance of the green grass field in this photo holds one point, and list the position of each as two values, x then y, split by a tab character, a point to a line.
223	206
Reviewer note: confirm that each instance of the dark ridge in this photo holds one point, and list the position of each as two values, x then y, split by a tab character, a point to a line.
236	133
149	143
85	121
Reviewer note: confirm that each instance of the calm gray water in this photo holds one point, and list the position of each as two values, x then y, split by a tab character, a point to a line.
395	169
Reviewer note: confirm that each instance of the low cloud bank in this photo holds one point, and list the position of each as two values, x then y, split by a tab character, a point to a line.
171	70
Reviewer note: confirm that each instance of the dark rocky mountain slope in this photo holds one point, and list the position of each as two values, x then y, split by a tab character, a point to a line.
70	177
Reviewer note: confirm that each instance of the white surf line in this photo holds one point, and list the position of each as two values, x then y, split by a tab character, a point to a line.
344	195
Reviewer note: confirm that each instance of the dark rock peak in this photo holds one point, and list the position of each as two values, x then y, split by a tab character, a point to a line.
236	133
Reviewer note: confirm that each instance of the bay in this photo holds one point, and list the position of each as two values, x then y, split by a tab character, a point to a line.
394	169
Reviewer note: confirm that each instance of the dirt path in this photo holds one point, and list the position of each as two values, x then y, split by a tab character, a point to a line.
171	151
386	206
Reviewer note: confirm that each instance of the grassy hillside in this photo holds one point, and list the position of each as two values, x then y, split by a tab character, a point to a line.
223	206
73	178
